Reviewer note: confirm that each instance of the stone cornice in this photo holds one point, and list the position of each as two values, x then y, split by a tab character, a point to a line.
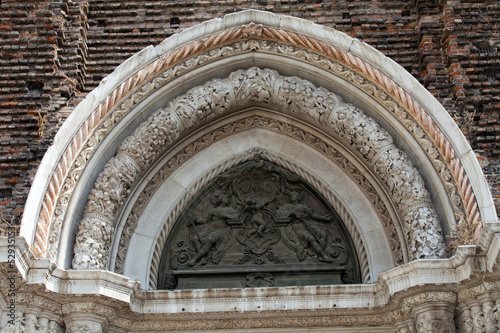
466	268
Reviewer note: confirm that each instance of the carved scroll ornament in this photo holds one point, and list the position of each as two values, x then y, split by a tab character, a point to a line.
243	87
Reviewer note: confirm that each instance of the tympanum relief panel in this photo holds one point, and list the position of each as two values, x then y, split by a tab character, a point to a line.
257	225
233	49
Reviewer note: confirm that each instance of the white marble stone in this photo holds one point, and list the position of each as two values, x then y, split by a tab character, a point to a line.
320	32
139	257
481	189
400	294
137	62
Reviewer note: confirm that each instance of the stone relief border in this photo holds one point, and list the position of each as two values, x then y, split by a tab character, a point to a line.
242	32
234	48
147	193
292	94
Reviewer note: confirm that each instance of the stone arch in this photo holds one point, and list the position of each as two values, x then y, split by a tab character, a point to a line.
163	174
338	205
106	103
260	86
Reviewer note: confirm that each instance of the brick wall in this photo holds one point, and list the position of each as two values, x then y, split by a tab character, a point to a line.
38	75
52	53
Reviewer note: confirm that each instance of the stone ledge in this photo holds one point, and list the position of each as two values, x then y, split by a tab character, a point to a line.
467	266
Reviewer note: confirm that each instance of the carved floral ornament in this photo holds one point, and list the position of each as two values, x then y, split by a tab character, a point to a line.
244	87
58	192
284	129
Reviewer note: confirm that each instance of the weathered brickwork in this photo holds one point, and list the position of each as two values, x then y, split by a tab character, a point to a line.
52	53
471	45
39	72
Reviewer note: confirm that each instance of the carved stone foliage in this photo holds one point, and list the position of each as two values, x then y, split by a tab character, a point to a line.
479	308
479	317
291	94
81	329
232	49
27	324
430	322
31	323
257	225
291	45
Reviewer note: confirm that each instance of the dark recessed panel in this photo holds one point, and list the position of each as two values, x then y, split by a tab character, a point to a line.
257	225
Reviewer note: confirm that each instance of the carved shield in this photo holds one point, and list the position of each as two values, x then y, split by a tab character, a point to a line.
258	184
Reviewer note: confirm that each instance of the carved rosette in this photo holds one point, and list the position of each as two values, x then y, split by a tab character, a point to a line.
267	87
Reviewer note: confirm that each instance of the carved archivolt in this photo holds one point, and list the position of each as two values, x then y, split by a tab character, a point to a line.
115	106
236	48
283	128
262	86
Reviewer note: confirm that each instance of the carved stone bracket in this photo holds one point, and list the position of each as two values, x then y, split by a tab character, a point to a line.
428	312
435	319
293	95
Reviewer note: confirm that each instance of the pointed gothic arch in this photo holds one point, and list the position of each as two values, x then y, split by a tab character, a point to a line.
390	98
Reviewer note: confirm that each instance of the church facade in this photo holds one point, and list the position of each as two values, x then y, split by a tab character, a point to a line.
259	173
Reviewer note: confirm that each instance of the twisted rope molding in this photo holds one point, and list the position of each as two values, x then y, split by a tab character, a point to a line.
402	96
252	30
289	165
232	49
